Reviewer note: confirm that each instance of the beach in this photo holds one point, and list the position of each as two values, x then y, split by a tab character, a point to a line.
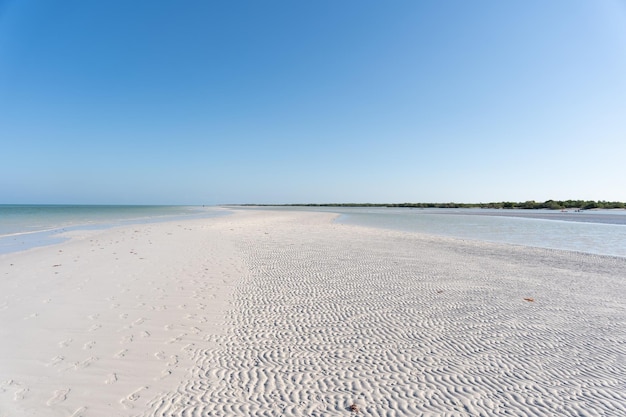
285	313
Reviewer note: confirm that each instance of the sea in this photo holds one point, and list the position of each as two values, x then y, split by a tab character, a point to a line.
27	226
600	232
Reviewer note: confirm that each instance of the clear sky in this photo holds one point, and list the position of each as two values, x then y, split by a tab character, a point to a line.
211	102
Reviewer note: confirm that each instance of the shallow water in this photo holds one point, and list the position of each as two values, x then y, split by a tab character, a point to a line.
598	232
26	226
584	236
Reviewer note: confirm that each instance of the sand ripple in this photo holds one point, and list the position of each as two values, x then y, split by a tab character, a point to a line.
405	325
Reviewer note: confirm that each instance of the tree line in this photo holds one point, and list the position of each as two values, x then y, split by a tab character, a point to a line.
528	205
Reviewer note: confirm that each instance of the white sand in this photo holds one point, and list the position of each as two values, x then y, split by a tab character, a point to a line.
287	314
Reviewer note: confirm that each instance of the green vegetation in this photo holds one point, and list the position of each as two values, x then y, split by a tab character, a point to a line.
528	205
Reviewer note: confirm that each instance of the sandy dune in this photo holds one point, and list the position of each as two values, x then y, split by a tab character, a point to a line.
287	314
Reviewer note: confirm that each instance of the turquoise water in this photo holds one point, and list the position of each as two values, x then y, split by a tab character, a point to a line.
598	232
26	226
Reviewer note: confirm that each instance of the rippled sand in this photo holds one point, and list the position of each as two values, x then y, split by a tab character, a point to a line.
287	314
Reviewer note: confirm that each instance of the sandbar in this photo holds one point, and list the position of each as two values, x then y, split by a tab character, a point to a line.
284	313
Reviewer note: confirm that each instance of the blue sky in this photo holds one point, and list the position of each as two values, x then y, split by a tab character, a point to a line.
211	102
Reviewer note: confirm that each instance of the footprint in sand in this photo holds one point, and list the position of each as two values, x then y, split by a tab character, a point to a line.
127	339
80	412
94	327
89	345
20	394
189	348
55	361
164	374
65	343
121	353
177	338
129	401
85	363
6	384
111	379
58	396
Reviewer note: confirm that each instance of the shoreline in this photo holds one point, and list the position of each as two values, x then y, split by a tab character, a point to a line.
15	242
601	235
103	321
289	313
55	233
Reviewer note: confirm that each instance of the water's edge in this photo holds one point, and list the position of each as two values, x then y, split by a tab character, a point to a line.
27	239
595	232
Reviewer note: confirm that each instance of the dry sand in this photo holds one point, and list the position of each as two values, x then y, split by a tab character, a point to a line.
288	314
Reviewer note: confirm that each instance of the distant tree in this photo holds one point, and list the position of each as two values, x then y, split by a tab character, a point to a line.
552	205
590	205
530	204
